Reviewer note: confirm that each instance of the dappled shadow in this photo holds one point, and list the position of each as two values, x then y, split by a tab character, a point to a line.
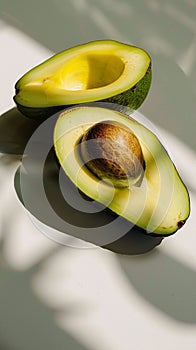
20	312
172	100
164	282
165	30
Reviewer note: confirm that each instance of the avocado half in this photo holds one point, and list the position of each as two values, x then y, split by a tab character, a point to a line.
103	70
160	204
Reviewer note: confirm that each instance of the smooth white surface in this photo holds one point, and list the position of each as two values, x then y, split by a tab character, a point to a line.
101	300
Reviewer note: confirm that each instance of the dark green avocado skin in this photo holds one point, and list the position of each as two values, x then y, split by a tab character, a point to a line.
39	113
134	97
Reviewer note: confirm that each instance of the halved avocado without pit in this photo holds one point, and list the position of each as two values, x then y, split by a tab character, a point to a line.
159	203
103	70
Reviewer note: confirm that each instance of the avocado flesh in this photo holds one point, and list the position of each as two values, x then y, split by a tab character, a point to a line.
159	206
99	70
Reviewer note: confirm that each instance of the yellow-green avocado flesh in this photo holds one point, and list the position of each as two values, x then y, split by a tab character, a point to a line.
159	206
103	70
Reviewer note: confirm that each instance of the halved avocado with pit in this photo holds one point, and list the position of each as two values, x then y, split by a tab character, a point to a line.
103	70
159	204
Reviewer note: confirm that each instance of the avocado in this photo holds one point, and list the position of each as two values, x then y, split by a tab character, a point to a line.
158	203
103	70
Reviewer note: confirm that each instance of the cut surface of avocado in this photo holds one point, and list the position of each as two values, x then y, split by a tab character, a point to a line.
160	205
96	71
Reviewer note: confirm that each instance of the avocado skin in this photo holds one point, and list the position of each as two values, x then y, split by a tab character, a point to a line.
134	97
39	113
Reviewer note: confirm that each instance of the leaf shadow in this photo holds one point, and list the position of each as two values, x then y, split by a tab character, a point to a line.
167	284
24	314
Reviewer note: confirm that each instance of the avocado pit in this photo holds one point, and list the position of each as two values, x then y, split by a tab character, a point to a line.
113	153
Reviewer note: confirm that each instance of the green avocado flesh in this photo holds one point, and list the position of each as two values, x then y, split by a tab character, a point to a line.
159	205
103	70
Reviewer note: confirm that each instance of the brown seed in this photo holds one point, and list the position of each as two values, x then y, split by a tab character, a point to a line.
113	153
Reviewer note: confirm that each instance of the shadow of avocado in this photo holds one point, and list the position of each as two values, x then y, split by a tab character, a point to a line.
46	200
164	282
15	131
